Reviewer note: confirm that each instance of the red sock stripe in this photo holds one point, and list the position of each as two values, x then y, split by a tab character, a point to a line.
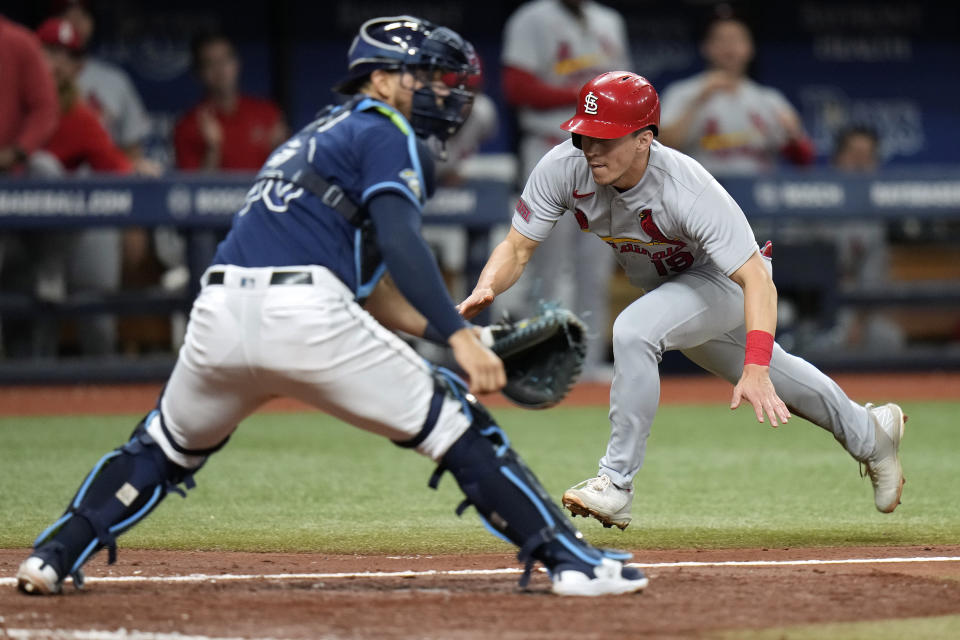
759	348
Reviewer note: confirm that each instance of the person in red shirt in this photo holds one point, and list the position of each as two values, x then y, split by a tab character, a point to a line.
79	139
55	263
28	100
226	130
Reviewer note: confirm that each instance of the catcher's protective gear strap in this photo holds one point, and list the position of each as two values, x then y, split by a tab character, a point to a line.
123	487
510	499
436	403
299	172
173	443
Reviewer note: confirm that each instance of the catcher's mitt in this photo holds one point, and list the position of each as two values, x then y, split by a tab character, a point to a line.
543	355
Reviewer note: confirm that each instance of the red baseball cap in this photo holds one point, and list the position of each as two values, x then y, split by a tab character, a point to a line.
59	32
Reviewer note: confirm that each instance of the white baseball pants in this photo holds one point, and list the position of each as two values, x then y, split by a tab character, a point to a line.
249	341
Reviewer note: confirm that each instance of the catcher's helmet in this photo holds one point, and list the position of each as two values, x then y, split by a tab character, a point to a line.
614	104
413	44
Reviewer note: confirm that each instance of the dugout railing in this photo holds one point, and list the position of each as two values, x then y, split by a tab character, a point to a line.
201	206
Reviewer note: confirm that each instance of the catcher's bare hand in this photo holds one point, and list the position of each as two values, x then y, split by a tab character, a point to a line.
476	302
482	366
756	388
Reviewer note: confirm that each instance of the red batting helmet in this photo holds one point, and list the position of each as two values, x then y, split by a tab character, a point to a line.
614	104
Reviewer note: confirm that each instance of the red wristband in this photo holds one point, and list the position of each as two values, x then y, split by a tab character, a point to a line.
759	348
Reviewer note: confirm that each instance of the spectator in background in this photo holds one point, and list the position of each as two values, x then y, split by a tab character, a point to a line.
79	139
863	256
226	130
857	149
28	99
551	48
863	252
721	117
28	115
108	90
53	264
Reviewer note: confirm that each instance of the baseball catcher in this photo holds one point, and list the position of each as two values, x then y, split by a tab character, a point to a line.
323	260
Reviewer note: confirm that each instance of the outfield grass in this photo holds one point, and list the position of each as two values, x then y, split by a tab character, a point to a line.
306	482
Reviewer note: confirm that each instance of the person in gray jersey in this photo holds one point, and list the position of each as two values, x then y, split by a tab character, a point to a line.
706	290
725	120
550	48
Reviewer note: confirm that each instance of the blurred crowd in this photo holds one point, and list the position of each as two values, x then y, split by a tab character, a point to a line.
64	111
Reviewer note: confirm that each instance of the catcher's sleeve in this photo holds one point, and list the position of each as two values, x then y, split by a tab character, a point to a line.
410	263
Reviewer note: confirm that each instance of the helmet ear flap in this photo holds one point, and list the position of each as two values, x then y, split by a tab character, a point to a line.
577	140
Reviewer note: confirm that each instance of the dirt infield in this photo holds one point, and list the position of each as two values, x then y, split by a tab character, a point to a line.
152	594
139	398
681	601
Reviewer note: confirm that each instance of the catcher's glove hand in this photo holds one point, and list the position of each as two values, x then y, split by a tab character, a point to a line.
543	355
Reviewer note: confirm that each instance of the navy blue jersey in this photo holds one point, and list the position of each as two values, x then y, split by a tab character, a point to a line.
366	147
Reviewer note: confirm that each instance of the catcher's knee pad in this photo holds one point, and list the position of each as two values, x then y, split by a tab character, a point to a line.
447	416
124	486
511	501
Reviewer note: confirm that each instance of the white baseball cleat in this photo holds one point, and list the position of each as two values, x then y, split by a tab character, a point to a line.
609	578
601	499
883	465
37	577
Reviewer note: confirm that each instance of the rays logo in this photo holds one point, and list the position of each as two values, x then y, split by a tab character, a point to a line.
412	181
590	104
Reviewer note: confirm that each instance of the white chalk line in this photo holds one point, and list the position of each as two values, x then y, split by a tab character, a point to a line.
240	577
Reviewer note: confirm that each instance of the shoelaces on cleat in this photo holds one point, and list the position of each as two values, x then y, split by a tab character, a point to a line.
600	483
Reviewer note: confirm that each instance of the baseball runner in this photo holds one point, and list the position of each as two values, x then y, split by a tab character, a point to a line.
550	49
331	223
706	290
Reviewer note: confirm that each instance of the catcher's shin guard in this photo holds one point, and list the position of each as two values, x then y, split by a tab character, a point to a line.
123	487
510	500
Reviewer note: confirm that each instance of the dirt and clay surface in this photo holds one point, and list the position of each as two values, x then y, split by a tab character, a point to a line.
680	602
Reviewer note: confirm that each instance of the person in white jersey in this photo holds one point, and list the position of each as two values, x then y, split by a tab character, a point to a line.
552	47
729	123
706	290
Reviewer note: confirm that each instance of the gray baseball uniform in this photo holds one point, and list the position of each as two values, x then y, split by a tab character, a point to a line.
109	90
549	41
546	39
679	236
734	132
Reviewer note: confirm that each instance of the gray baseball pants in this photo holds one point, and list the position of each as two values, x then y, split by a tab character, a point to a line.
700	313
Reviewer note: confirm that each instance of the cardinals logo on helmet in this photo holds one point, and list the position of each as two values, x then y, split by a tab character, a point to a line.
590	104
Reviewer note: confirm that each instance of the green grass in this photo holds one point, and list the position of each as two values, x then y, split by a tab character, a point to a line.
935	628
306	482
